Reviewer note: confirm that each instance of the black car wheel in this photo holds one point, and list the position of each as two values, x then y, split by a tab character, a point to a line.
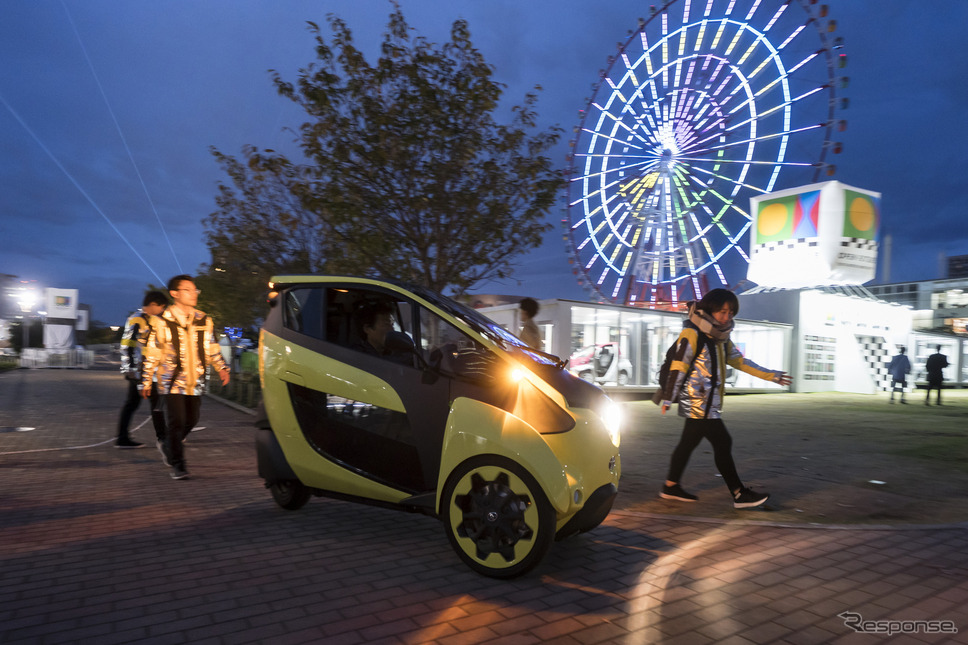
290	494
497	518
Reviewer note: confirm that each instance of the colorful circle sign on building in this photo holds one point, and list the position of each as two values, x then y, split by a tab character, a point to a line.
820	234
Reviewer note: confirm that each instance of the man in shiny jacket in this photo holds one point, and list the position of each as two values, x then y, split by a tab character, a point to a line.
181	346
132	348
696	379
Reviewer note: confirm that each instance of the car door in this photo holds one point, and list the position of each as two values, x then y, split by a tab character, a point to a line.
378	415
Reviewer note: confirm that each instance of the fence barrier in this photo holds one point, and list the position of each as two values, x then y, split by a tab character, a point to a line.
36	357
243	388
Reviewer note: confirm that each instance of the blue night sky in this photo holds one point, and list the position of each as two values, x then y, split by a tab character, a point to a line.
181	76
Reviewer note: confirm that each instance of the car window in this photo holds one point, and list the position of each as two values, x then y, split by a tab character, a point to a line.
352	310
452	351
488	328
303	311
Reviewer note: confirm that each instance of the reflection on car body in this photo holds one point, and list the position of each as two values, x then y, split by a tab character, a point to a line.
603	363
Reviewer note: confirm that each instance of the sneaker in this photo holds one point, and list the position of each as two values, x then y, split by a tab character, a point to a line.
164	455
128	443
179	472
748	498
676	493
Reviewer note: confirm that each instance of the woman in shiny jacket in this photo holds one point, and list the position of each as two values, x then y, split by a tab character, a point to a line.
696	381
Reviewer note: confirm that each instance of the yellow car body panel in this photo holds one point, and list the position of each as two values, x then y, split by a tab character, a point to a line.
281	363
563	463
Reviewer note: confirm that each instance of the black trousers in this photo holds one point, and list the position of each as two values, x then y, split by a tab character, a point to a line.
898	385
693	433
182	411
131	406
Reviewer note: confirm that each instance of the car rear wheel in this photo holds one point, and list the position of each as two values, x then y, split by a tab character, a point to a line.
497	518
290	494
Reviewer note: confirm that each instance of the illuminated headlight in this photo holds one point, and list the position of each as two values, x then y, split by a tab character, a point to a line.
612	420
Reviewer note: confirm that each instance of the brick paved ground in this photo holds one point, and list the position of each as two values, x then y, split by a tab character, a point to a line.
98	545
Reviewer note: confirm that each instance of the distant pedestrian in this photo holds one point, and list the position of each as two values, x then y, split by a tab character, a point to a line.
530	333
696	379
936	363
899	368
181	346
132	354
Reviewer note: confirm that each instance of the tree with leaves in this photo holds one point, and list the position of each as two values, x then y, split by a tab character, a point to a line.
260	230
406	171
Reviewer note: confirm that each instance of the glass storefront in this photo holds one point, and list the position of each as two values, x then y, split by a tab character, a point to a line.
838	343
615	347
924	346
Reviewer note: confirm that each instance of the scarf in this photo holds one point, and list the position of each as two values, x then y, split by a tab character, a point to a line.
707	325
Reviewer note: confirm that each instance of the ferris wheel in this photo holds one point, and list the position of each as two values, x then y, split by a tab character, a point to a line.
706	104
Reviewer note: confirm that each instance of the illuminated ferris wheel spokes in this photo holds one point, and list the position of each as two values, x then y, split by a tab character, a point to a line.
705	105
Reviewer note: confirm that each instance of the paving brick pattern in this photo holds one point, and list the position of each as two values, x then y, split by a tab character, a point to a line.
99	545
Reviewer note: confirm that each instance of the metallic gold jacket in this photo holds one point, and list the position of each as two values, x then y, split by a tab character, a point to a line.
177	353
133	341
700	396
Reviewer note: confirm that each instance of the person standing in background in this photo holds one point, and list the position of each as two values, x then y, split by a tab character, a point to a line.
934	366
530	333
133	341
899	368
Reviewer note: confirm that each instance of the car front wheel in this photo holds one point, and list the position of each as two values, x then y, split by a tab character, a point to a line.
497	518
290	494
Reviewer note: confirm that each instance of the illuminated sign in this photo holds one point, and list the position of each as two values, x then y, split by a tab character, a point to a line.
62	303
820	234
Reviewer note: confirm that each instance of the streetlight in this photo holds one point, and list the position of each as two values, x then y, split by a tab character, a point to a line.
26	303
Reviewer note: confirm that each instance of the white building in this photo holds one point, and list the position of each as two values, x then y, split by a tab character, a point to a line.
845	337
943	304
622	348
827	338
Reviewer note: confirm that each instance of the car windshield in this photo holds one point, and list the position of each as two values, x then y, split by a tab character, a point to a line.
487	327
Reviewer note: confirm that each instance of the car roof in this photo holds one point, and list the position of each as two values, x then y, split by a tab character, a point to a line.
309	278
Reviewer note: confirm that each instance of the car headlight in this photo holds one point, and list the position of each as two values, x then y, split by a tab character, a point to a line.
612	420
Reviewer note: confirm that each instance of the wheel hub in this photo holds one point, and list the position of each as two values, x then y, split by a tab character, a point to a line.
492	515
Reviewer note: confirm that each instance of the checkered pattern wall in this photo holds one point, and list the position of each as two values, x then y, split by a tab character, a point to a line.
858	243
786	245
877	353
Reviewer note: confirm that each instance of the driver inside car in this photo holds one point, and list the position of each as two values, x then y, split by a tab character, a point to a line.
374	321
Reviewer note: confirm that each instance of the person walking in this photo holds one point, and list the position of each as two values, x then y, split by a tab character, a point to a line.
530	333
181	346
934	366
133	341
899	368
695	380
